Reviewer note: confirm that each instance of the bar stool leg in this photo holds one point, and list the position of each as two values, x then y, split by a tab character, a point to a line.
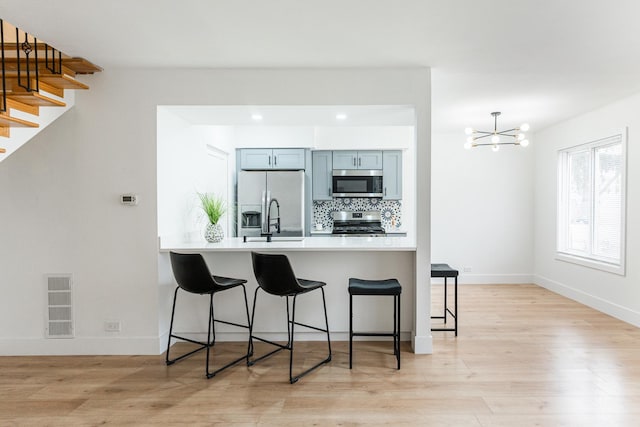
350	331
455	306
397	297
445	300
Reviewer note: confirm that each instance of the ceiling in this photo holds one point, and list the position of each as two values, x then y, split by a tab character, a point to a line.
539	61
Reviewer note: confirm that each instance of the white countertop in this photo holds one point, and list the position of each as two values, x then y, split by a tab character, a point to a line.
310	243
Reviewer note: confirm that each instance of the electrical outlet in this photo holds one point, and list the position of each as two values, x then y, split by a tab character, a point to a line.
468	269
112	326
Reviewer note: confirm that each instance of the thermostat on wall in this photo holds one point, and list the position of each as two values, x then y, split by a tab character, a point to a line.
129	199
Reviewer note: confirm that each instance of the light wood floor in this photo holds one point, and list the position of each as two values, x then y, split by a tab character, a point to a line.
524	356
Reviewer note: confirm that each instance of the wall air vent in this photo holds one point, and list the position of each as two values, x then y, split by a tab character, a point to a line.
59	312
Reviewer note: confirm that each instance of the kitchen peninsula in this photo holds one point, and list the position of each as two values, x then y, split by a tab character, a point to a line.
330	259
316	243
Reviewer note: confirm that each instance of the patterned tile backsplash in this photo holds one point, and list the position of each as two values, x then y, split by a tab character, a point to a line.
389	209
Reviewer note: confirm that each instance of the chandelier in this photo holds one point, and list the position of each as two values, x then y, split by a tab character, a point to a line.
496	137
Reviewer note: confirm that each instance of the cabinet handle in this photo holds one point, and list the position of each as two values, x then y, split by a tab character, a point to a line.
330	193
269	161
354	161
385	191
359	161
275	160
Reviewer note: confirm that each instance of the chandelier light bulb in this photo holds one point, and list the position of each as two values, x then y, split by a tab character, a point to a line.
495	139
495	148
467	145
524	127
524	142
468	131
521	136
470	139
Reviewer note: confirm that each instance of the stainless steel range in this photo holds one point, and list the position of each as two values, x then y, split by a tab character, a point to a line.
348	223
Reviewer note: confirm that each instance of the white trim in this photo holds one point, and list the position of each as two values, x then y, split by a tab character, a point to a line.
422	344
619	312
591	263
583	259
80	346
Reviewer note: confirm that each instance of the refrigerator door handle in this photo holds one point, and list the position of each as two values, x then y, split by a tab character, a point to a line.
263	211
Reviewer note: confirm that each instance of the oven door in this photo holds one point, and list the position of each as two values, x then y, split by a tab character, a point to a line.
357	183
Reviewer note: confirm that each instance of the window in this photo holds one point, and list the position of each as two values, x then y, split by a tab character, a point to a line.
591	203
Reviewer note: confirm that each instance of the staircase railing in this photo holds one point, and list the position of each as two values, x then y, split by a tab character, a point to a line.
27	48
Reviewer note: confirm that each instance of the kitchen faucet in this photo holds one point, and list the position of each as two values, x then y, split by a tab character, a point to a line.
269	233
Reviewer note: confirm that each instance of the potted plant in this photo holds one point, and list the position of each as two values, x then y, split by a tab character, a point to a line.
214	207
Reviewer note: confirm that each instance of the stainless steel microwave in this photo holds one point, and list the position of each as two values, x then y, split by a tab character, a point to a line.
357	183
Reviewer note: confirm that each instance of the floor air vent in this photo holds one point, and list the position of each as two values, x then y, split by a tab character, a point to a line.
59	307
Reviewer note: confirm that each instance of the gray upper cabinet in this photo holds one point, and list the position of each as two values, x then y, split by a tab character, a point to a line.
288	158
267	158
392	175
321	175
369	159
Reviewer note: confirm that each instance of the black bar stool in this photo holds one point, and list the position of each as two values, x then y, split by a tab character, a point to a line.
444	270
388	287
193	276
275	276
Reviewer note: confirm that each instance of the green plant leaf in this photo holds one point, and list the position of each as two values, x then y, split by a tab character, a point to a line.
213	206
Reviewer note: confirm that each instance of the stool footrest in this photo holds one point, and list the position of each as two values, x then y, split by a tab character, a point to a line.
373	334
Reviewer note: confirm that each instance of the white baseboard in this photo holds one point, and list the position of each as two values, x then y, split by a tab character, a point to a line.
487	279
422	344
92	346
615	310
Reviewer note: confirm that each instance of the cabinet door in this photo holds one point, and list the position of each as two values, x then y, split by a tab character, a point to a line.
288	158
321	175
345	160
256	158
392	175
369	159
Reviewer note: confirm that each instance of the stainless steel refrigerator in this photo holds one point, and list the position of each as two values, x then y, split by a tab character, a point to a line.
277	196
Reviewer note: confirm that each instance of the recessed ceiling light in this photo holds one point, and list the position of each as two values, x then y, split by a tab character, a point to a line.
341	116
256	117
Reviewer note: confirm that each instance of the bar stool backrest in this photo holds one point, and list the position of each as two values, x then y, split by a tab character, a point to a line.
274	274
191	273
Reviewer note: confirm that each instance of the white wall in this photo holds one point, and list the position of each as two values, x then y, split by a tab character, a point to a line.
273	136
616	295
60	197
185	167
482	204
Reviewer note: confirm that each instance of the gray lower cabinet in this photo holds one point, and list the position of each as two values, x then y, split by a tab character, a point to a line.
392	175
268	158
368	159
321	175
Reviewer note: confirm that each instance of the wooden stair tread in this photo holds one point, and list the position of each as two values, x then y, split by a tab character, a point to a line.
35	98
8	121
81	65
62	81
16	105
59	81
77	65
